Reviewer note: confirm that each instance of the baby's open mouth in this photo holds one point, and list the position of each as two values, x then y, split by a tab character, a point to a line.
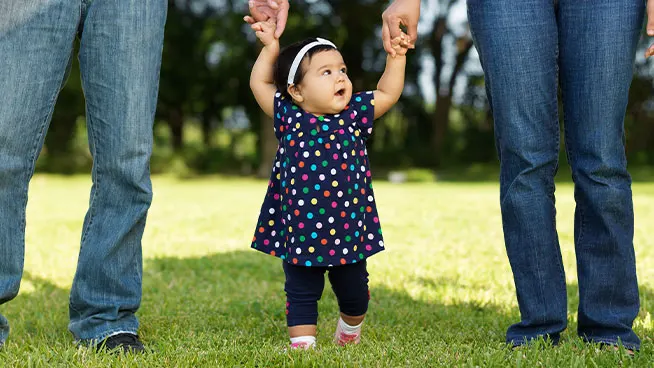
340	92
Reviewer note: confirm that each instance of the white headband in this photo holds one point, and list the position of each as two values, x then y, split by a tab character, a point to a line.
300	56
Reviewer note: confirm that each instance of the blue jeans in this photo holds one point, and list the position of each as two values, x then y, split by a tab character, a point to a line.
120	57
528	49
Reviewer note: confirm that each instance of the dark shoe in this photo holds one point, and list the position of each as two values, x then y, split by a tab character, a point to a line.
123	342
618	348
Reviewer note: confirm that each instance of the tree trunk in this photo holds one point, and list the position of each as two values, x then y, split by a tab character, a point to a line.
206	128
441	117
440	125
267	145
176	122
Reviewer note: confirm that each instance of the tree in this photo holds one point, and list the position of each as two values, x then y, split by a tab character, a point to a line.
445	42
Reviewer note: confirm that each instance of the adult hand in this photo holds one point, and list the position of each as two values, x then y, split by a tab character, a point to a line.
401	12
650	26
263	10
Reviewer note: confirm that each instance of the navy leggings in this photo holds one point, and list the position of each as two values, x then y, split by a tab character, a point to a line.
304	286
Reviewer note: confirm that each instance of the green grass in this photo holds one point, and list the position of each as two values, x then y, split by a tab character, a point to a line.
442	293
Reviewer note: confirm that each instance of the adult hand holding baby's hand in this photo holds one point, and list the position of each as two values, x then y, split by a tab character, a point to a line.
400	45
269	10
401	13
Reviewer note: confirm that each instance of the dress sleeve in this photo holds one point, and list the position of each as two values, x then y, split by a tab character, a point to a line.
362	105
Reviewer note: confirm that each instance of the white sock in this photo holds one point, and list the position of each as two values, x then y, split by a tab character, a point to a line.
350	330
309	340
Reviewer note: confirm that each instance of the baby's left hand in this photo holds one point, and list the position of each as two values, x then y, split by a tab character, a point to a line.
400	44
265	31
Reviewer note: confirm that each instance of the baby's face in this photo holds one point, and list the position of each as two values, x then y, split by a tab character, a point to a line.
325	87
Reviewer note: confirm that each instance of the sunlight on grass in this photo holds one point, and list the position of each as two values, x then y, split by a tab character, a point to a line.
442	292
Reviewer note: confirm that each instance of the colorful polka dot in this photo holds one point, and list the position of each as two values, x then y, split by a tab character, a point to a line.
319	209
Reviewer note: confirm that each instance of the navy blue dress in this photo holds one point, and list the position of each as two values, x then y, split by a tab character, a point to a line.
320	209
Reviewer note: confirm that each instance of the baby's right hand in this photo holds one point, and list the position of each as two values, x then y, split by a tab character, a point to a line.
265	31
400	44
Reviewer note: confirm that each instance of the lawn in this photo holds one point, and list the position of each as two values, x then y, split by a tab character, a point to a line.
442	292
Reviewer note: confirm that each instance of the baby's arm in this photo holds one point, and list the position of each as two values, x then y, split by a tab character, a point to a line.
261	79
391	83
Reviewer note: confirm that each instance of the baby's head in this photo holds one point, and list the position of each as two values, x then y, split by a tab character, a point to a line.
319	82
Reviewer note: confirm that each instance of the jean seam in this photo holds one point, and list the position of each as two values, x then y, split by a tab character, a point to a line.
551	185
580	208
101	337
610	304
552	189
570	156
582	222
92	135
95	173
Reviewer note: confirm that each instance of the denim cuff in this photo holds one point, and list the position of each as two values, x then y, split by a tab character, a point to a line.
103	336
611	342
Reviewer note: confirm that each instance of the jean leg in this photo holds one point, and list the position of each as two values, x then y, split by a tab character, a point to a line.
36	40
120	58
517	43
598	45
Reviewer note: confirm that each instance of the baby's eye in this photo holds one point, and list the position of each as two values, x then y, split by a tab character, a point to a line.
344	70
327	72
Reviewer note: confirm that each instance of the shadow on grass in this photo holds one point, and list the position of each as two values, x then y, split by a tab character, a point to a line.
238	298
511	316
240	294
39	314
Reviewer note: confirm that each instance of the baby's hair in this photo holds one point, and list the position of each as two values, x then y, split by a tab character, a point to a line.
285	59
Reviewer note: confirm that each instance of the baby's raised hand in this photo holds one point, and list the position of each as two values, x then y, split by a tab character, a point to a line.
400	44
265	31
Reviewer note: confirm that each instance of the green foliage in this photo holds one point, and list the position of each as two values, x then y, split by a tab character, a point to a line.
207	58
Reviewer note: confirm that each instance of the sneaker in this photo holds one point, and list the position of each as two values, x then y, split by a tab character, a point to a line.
125	342
342	338
618	348
301	346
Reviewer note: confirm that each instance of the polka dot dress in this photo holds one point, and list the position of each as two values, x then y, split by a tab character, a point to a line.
319	209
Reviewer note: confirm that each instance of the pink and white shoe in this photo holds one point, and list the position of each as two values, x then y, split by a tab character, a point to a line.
342	338
302	345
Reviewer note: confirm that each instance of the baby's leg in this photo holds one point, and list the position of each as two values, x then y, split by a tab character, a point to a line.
304	286
350	284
